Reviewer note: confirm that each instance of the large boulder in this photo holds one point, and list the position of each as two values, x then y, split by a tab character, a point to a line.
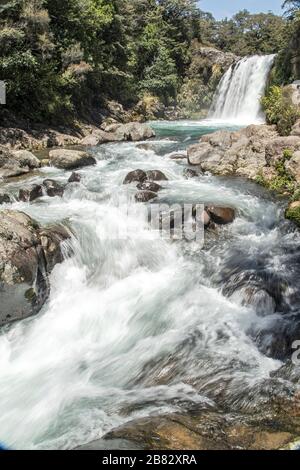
70	159
26	159
138	176
4	198
247	153
221	215
293	166
16	163
134	131
28	254
145	196
156	175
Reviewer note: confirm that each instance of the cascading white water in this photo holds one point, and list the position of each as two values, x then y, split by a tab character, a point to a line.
238	95
141	327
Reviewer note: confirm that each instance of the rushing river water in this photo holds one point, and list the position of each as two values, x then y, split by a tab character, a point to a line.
142	326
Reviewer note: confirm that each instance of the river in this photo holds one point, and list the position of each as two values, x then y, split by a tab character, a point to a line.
145	326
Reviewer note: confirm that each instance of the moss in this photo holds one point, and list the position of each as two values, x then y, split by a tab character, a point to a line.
30	295
283	182
293	214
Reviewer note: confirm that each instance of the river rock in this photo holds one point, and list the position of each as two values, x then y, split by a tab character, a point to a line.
240	153
4	198
296	129
221	215
97	137
205	430
53	188
26	159
145	196
28	253
9	165
30	194
275	149
135	176
293	166
74	178
156	175
178	156
134	132
70	159
189	173
149	186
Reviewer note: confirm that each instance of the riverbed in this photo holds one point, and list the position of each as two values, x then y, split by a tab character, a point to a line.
143	326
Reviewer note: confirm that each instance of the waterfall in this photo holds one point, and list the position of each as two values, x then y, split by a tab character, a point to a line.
238	95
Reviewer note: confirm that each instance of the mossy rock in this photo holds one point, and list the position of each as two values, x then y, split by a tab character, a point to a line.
293	212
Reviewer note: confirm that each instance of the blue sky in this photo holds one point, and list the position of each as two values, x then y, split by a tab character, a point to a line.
223	8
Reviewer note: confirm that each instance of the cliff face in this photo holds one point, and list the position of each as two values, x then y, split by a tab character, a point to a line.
207	67
295	56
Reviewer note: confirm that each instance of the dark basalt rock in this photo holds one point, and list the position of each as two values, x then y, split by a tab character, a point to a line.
53	188
74	178
149	186
138	176
4	198
156	175
145	196
189	173
31	193
28	253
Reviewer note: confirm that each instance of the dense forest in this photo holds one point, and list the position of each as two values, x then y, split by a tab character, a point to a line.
63	60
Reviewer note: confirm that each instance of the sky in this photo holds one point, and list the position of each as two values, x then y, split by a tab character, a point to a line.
222	8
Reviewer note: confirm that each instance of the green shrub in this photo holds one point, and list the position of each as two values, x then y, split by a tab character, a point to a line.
279	110
293	214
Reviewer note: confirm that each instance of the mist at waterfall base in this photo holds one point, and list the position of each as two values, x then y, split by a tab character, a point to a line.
143	326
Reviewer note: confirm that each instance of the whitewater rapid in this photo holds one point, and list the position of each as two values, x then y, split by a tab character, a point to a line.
139	326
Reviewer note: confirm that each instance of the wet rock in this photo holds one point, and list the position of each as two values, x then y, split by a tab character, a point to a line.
206	430
189	173
178	156
26	259
221	215
145	196
30	194
156	175
53	188
4	198
135	176
262	302
149	186
70	159
45	162
74	178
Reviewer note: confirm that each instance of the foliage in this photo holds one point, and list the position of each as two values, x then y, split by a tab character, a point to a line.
280	110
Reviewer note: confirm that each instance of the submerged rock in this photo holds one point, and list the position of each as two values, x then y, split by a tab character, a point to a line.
145	196
53	188
28	253
74	178
4	198
70	159
149	186
30	194
189	173
135	176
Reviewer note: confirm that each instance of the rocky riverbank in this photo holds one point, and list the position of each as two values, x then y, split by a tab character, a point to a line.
256	152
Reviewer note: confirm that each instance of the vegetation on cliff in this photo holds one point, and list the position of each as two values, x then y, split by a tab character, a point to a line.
63	60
